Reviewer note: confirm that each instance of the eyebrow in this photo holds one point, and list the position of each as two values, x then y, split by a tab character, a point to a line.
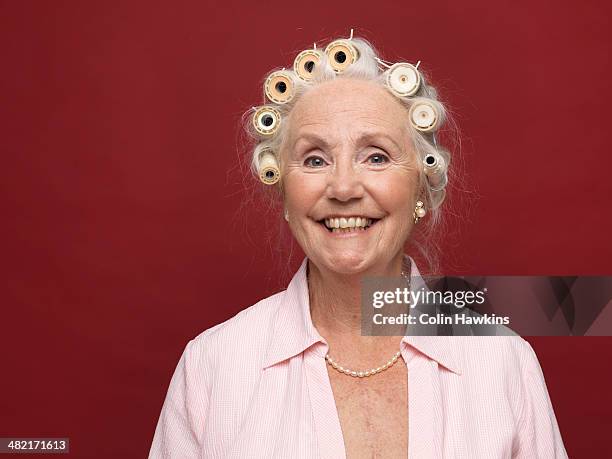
368	137
374	136
312	138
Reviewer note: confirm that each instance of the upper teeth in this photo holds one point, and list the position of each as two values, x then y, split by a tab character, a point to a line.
350	222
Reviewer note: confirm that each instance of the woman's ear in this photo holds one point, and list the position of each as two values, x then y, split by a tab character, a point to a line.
420	193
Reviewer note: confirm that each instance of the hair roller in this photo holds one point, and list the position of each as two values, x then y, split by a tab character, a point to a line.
266	120
279	87
341	54
434	167
403	79
424	115
269	172
305	63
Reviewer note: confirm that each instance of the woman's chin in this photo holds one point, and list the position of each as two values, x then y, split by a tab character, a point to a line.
345	262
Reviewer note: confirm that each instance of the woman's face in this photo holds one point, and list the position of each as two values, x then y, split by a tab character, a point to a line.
348	153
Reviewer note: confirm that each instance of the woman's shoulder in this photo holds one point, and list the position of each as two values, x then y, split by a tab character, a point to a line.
505	356
501	368
244	334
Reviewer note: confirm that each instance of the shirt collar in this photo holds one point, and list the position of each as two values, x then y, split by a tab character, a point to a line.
294	332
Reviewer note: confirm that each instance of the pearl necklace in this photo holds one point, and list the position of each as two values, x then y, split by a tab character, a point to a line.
371	371
361	374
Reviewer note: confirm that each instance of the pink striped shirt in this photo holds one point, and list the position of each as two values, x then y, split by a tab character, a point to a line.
256	386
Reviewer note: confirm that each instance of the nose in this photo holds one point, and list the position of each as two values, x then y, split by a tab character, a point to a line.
345	181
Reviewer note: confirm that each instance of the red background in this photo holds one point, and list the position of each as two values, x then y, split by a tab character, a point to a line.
122	236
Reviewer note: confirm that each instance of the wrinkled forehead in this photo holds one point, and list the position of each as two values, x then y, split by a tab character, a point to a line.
348	107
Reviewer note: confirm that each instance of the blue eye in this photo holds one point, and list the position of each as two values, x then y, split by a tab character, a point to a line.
380	158
318	161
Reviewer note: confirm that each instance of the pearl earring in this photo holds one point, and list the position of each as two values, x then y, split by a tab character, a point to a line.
286	215
419	211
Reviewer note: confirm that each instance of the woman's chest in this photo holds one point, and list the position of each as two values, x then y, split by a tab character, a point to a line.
305	409
373	413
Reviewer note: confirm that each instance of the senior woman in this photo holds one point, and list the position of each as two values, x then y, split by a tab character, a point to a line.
347	141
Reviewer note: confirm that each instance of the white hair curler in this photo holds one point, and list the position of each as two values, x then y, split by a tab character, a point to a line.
266	120
434	167
279	87
424	116
341	54
269	172
403	79
305	63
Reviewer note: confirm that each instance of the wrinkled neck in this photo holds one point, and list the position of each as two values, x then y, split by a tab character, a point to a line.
335	298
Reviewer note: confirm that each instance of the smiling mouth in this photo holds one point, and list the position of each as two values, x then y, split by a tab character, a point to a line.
348	225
